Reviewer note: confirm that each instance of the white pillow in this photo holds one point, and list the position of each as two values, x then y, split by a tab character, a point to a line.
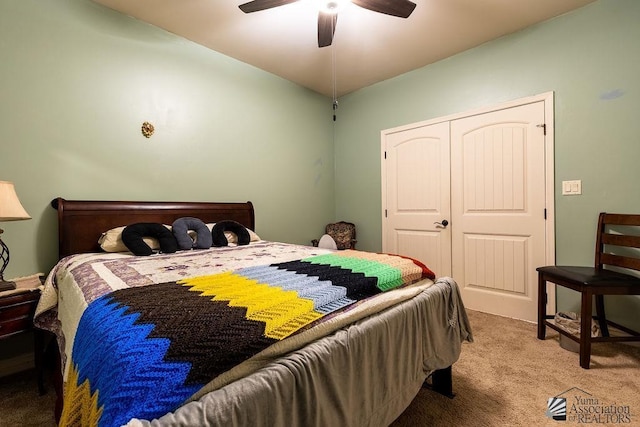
327	242
111	240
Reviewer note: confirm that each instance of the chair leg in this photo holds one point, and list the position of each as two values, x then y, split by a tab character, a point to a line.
585	328
602	320
542	306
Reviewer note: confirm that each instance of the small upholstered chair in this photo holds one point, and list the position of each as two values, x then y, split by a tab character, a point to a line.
616	272
343	233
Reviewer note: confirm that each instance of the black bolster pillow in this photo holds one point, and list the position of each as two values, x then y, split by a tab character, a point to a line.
181	227
219	239
132	238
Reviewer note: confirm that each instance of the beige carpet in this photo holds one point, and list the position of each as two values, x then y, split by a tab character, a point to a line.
504	378
507	375
20	404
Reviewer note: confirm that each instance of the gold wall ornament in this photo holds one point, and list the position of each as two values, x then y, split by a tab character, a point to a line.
147	129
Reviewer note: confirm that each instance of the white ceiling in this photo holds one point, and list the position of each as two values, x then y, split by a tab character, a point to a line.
367	48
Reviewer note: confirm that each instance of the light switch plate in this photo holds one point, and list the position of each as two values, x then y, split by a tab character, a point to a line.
571	188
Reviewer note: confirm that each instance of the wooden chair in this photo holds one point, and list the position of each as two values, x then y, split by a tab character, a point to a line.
617	246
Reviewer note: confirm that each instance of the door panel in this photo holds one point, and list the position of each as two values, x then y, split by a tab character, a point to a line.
416	195
495	262
498	209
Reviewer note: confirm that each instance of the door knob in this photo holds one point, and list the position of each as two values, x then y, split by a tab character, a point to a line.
444	223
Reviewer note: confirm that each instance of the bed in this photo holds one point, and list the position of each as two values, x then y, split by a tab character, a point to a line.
357	363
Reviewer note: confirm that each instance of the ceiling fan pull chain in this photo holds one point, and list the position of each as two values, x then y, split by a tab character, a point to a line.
333	81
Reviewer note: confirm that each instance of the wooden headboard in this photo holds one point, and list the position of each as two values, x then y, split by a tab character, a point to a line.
81	222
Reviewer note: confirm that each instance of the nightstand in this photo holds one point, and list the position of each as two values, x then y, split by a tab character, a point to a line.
16	312
17	308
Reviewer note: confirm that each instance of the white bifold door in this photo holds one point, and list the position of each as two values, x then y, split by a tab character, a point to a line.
468	198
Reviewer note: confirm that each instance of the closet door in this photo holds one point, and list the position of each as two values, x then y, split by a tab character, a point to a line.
498	209
416	195
489	174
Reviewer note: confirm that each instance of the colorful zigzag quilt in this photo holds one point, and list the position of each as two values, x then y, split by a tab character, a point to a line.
141	352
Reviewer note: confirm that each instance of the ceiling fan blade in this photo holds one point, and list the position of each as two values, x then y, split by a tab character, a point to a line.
399	8
326	28
257	5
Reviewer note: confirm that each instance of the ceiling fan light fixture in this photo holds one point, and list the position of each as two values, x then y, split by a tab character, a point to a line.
332	6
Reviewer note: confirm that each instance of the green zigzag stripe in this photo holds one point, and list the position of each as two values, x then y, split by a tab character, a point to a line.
388	277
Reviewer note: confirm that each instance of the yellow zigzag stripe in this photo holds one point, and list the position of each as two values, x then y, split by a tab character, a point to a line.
80	407
283	312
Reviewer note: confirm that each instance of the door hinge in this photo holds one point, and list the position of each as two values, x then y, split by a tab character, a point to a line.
544	128
545	213
385	155
385	213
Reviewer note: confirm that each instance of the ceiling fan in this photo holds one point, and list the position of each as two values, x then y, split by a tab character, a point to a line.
328	15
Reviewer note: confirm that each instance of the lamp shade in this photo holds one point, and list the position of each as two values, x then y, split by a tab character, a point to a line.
10	207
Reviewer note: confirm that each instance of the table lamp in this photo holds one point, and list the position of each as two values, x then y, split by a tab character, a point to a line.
10	210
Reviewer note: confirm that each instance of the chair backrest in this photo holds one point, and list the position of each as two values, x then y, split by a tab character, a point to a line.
618	241
344	234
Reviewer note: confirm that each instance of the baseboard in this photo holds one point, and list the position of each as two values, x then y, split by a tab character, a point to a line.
16	364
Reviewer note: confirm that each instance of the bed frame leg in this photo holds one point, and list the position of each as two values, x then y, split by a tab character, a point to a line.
58	384
441	382
47	358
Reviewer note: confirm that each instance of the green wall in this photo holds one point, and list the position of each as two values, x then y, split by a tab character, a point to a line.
77	80
590	58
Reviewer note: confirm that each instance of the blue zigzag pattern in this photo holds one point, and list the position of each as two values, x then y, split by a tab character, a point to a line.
138	374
